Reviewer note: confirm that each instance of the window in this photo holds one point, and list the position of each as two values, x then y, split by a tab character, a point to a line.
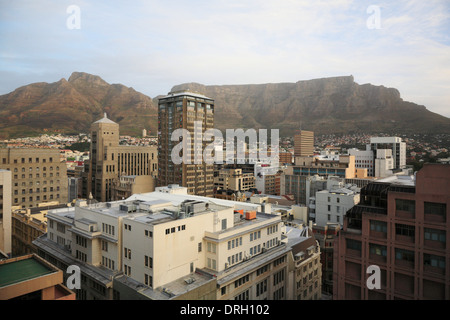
378	250
435	208
224	224
434	261
379	226
406	255
435	235
405	205
404	230
353	244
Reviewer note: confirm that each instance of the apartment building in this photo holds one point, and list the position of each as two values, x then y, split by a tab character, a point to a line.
38	175
325	235
109	160
234	180
5	212
304	144
306	268
395	144
185	110
332	204
171	246
400	225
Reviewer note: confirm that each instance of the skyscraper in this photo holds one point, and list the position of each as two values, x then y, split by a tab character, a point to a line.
304	144
185	110
109	160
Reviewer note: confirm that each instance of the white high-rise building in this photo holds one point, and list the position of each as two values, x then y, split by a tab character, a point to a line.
396	145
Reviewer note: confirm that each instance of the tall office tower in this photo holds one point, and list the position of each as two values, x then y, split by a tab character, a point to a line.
185	110
304	144
109	160
103	168
395	144
38	175
5	212
401	226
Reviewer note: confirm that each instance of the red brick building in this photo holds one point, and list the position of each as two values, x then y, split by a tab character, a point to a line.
401	227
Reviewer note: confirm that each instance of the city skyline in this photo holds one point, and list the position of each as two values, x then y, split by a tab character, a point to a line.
152	46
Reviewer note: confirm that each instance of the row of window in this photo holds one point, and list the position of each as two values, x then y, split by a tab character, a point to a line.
173	229
400	254
38	198
30	160
409	230
37	176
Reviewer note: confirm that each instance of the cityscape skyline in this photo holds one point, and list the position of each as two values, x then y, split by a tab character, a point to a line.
403	44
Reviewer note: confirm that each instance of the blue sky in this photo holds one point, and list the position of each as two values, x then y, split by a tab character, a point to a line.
154	45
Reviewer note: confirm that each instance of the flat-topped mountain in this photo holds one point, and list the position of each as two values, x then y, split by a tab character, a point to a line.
328	105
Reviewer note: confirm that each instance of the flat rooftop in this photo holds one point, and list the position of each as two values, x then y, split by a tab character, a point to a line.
12	272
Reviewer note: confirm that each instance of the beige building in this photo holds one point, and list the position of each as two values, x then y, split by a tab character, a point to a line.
172	246
38	175
305	266
304	144
183	110
5	212
109	160
234	180
126	186
29	224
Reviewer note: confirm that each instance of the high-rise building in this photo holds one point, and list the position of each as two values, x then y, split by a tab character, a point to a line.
396	145
188	111
5	212
304	144
401	226
109	160
38	175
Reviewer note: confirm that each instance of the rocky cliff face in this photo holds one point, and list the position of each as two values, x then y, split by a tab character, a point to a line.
72	106
328	105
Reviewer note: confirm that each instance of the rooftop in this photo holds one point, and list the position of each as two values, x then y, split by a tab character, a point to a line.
105	120
186	93
13	271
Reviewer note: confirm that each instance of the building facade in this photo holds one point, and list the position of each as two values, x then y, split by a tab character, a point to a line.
401	226
38	175
171	245
109	160
304	144
185	110
5	212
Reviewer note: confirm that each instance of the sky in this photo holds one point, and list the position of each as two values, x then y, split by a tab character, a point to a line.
153	45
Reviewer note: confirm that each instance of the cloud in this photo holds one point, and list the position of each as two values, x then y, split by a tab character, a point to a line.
153	45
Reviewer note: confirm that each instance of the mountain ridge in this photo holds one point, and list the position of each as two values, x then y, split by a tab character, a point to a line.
324	105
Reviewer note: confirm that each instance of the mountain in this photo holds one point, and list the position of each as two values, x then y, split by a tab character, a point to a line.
71	106
328	105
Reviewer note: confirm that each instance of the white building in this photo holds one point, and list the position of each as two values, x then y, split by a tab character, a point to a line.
395	144
364	159
163	245
332	204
